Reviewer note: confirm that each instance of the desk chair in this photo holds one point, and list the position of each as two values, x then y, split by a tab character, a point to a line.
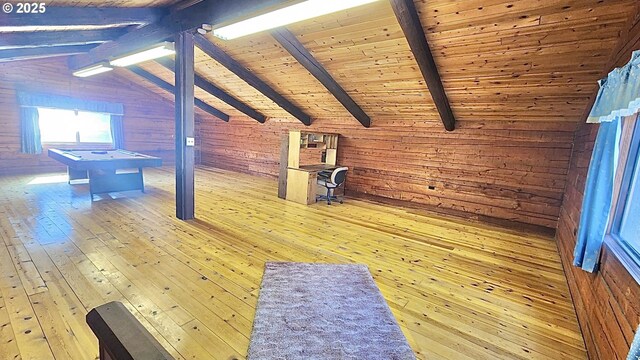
331	180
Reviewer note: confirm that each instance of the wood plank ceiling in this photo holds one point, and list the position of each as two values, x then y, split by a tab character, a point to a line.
518	60
499	60
114	3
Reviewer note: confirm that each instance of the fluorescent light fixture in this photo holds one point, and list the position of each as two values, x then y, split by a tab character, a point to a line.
93	70
284	16
157	51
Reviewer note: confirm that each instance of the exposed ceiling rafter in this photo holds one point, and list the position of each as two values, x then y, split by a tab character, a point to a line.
82	16
218	93
42	52
170	88
409	20
247	76
58	38
209	12
289	41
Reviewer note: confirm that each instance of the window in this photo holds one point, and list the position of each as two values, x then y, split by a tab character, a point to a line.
69	126
625	227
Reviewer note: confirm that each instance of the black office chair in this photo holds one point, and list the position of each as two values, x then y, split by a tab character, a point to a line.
331	180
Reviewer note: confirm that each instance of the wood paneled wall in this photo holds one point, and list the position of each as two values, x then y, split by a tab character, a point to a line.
507	170
148	119
607	301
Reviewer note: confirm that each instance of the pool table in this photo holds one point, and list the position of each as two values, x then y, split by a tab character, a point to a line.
105	169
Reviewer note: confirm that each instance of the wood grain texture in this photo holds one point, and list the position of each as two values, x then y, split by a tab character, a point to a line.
144	110
289	41
458	290
211	89
413	30
213	12
498	60
607	301
248	77
508	170
114	3
172	90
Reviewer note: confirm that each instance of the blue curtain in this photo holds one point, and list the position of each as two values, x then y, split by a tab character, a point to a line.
619	93
30	131
598	196
117	131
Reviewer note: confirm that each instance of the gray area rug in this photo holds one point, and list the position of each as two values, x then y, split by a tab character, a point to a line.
324	311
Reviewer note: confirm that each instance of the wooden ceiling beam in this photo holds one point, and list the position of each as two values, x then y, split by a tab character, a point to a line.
409	20
83	16
57	38
170	88
7	55
247	76
290	43
218	93
210	12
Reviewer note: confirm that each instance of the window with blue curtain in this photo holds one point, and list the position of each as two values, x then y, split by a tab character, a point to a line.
61	126
618	96
31	104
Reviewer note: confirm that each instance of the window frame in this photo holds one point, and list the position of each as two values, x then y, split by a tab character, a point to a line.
629	257
82	144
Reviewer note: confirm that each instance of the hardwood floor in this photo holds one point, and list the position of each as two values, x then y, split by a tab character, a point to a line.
459	290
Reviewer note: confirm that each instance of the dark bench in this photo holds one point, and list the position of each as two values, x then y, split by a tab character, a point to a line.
121	336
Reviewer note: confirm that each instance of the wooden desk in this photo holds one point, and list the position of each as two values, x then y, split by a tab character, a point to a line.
299	182
318	167
302	182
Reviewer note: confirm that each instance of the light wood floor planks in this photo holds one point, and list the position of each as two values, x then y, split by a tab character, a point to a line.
459	290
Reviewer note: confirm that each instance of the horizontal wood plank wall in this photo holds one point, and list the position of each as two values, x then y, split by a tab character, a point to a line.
144	110
507	170
606	302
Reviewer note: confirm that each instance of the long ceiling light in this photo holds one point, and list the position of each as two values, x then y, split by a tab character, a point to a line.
93	70
284	16
157	51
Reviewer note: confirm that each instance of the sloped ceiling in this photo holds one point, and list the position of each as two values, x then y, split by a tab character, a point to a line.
112	3
499	60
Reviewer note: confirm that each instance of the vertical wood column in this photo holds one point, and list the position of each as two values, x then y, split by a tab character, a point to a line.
185	126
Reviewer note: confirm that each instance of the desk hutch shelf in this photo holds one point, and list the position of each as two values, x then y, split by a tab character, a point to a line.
300	181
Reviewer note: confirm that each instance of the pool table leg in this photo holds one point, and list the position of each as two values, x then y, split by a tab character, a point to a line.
74	174
90	185
141	180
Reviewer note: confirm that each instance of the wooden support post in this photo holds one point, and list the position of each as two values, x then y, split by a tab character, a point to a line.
284	162
185	126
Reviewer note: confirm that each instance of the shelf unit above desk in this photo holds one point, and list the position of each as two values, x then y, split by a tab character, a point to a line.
300	181
305	140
